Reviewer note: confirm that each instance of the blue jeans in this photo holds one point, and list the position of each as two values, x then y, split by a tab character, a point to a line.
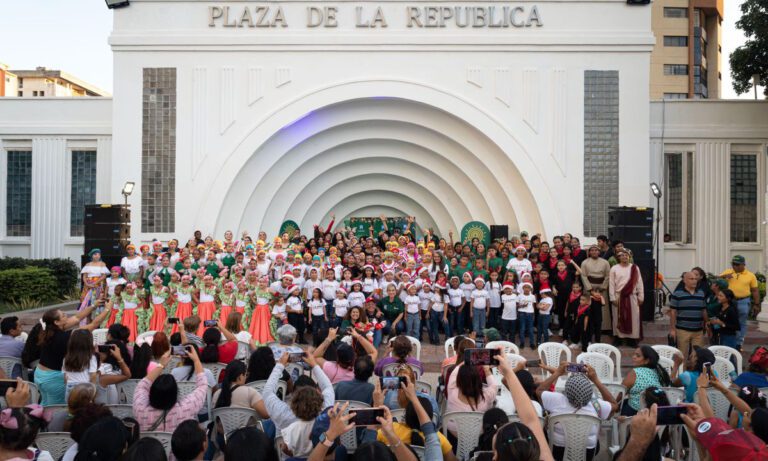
525	319
542	328
729	340
743	304
413	323
478	321
318	323
494	318
508	330
399	328
435	319
455	320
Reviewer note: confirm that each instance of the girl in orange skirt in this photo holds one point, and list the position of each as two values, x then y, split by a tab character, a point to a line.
114	305
183	298
262	314
159	298
206	305
226	302
131	301
242	299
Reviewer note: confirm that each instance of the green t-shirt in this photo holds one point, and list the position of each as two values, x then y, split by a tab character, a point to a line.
391	309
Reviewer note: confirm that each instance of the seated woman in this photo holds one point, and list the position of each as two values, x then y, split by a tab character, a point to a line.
529	386
250	444
467	393
160	346
214	351
80	396
356	318
342	368
397	398
186	372
401	349
694	366
646	372
113	370
20	425
757	368
235	326
156	403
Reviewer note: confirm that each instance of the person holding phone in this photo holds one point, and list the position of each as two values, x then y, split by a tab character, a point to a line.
112	370
214	351
466	391
646	373
694	366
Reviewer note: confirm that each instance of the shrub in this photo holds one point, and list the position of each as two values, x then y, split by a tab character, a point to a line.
64	271
27	285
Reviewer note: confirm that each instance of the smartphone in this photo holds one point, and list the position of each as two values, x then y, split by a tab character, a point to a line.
708	369
392	382
294	357
670	415
209	323
576	368
105	348
179	350
173	320
364	416
476	356
6	384
533	363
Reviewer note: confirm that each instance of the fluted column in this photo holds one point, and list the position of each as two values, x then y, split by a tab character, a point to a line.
50	197
711	201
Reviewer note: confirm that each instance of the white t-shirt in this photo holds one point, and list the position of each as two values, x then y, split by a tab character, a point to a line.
356	299
547	302
294	303
467	288
370	285
520	266
412	304
107	395
439	302
480	297
279	310
494	291
557	404
329	289
454	296
310	285
510	307
112	283
525	303
83	376
340	306
424	299
317	307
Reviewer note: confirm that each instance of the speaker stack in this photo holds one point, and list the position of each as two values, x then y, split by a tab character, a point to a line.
108	228
634	227
499	231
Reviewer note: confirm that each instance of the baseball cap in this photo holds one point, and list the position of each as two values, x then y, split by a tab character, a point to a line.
738	259
727	444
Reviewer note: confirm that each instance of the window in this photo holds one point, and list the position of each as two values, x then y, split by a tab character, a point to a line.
34	93
21	82
83	189
19	194
675	69
675	40
675	12
743	198
20	93
675	95
678	180
42	93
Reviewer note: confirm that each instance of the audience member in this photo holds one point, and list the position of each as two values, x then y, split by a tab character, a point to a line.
401	349
10	346
188	442
646	372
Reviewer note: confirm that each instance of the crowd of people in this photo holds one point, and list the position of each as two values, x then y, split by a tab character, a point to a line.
173	312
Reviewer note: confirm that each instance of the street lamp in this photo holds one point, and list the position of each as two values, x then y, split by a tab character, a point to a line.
755	83
656	191
128	190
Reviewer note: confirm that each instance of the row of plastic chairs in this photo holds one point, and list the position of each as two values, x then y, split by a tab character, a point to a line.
57	443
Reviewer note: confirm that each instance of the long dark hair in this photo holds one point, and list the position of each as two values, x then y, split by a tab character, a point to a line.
470	384
79	351
412	420
142	355
515	442
652	356
210	353
49	320
163	393
260	364
234	370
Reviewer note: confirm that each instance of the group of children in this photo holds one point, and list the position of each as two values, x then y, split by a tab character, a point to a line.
291	281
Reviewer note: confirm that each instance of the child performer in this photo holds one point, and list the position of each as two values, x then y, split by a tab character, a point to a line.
259	323
159	296
204	297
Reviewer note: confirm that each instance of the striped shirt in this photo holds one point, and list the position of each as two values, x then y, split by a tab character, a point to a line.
690	309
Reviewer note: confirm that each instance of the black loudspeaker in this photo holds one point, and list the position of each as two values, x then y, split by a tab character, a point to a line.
640	250
107	246
631	233
499	231
647	268
101	214
107	231
630	216
638	2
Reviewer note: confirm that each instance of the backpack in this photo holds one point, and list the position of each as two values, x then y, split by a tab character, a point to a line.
759	358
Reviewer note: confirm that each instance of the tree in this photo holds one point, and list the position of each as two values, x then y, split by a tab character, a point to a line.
752	57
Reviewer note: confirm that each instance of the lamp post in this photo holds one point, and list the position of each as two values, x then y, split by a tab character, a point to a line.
656	191
128	190
755	83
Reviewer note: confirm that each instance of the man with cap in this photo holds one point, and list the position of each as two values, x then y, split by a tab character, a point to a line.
743	283
594	274
722	442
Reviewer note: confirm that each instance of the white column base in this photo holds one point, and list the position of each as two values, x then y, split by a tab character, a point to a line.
762	317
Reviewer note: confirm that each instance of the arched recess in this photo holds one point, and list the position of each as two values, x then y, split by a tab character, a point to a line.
503	160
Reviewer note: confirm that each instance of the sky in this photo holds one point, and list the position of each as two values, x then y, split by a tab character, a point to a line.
71	35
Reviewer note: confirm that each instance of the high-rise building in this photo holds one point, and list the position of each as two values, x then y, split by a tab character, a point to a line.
43	82
686	59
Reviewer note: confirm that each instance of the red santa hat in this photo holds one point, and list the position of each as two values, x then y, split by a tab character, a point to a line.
479	279
506	285
288	274
292	287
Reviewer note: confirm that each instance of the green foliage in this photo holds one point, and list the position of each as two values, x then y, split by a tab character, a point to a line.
64	271
752	57
28	286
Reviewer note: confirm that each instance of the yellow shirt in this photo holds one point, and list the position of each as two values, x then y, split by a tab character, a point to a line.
403	432
741	283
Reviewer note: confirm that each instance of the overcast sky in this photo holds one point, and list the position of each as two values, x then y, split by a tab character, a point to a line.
71	35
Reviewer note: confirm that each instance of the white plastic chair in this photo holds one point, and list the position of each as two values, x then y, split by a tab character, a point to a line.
718	401
349	438
243	350
55	443
216	369
616	389
34	393
145	337
121	411
233	418
469	425
163	437
668	352
186	388
577	429
551	354
414	342
398	414
723	368
7	364
667	364
125	390
99	336
52	409
509	348
602	364
423	387
675	395
282	387
450	347
392	369
172	363
611	351
726	353
514	359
